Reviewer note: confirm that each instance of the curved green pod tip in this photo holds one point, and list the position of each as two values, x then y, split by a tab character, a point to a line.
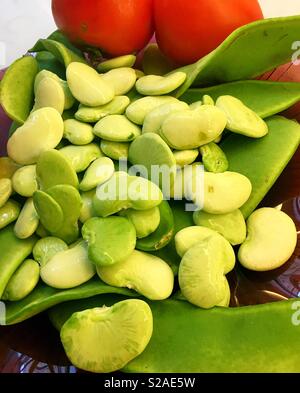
49	211
130	329
13	252
42	131
271	240
53	168
6	190
24	181
9	213
201	126
264	97
93	114
240	118
116	128
162	236
155	62
16	94
147	274
78	133
100	171
262	160
122	80
110	240
151	152
81	157
155	85
28	221
23	281
231	225
46	248
117	62
115	150
213	158
144	221
87	86
61	52
262	44
68	268
138	110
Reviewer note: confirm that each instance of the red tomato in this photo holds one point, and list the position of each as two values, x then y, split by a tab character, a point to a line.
187	30
118	27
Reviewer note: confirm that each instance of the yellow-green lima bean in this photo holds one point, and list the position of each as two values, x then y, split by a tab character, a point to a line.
144	221
9	212
97	173
6	190
27	221
81	157
46	248
78	133
116	128
155	85
49	94
68	268
24	181
122	80
43	130
91	115
115	150
270	242
117	62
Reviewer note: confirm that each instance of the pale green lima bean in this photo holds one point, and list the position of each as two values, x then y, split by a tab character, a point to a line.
91	115
155	85
241	119
121	79
27	222
69	268
6	190
213	158
87	210
115	150
270	242
87	86
42	131
144	221
124	192
185	157
208	100
154	120
97	173
117	62
69	100
147	274
116	128
191	129
49	211
24	181
231	225
78	133
81	157
46	248
49	94
9	213
23	281
138	110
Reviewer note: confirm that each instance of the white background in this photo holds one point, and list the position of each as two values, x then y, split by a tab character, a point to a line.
22	22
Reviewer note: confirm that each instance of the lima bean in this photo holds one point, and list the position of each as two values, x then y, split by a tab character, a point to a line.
87	86
25	181
23	281
213	158
115	150
9	213
144	221
97	173
270	242
121	79
43	130
49	94
6	190
147	274
91	115
69	268
28	221
46	248
185	157
81	157
117	62
155	85
87	210
78	133
116	128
